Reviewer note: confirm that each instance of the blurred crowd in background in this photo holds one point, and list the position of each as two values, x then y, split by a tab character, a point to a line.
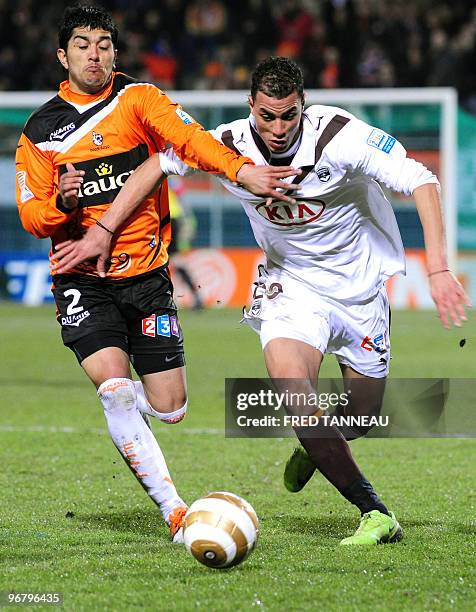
213	44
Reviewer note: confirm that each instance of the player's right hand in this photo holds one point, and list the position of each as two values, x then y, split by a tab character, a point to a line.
264	181
95	243
69	184
450	298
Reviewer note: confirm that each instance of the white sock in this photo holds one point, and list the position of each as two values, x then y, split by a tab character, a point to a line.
173	417
144	406
142	402
137	443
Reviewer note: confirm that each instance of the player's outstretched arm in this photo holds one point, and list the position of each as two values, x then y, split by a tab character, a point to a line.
447	293
97	240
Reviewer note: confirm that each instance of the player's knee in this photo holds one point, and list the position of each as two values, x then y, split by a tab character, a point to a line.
174	416
117	394
362	418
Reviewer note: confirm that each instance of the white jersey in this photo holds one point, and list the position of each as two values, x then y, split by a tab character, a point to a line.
341	237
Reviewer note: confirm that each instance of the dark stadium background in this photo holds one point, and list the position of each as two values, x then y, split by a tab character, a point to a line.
212	44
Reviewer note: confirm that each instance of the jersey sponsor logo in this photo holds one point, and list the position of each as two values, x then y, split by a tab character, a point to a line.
120	263
103	185
274	290
324	174
174	328
104	176
185	117
163	325
148	326
25	192
61	132
301	213
381	140
104	169
75	320
97	139
378	343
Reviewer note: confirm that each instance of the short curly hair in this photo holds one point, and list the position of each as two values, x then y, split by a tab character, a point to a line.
277	77
85	16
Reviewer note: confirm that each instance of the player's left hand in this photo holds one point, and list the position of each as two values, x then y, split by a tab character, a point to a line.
450	298
95	243
69	185
265	180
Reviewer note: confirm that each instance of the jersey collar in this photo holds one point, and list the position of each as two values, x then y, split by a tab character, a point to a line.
84	99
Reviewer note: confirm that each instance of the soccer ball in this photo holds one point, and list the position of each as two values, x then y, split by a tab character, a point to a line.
221	529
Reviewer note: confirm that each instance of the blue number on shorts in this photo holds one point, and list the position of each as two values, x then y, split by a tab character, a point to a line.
163	325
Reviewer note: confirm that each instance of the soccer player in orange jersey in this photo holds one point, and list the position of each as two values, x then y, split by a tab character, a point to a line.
74	155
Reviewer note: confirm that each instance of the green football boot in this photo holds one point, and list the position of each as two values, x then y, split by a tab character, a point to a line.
375	528
298	471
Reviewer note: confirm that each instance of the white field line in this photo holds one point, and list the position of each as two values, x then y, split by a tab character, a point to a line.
189	431
192	431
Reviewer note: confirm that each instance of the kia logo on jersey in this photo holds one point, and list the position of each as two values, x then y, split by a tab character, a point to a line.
280	213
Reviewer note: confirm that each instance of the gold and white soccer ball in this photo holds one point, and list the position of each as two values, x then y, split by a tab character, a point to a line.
221	529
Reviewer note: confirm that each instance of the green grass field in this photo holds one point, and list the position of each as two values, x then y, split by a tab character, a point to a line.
73	519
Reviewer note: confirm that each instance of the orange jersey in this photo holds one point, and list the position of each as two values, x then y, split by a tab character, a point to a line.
108	135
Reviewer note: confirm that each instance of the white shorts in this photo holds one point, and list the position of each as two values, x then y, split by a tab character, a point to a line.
357	334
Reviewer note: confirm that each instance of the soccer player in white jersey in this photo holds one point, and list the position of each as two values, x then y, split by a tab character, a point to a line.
327	257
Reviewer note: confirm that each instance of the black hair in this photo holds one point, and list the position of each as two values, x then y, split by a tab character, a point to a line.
277	77
85	16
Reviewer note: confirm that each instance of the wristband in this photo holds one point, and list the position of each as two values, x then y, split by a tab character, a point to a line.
438	272
105	228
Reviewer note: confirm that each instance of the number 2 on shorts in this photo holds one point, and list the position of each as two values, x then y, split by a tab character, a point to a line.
73	308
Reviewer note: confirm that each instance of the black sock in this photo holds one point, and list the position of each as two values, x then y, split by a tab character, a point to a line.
361	494
331	455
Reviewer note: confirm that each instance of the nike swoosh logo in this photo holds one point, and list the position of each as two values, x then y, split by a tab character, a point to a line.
169	359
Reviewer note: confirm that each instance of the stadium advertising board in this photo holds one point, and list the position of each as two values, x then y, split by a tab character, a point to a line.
224	278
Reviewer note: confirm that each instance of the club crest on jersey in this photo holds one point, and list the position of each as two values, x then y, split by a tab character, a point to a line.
324	174
97	139
301	213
